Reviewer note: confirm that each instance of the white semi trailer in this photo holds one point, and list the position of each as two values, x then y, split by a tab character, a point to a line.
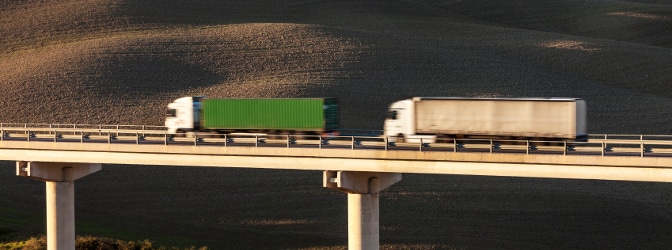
432	118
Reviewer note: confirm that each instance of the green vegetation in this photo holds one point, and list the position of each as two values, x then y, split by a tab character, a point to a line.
90	242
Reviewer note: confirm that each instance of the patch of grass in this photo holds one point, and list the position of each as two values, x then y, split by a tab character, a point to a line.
92	242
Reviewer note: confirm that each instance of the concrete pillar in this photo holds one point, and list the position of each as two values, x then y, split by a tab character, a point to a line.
60	179
363	223
60	215
363	203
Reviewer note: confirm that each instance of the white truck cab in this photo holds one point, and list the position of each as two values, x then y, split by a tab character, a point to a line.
182	115
400	123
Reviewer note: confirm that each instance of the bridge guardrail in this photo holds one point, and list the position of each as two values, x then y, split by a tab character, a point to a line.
82	126
602	144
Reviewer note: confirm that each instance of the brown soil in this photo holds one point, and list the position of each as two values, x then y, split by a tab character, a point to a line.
121	62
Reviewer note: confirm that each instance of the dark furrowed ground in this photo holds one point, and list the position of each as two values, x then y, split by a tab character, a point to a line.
121	62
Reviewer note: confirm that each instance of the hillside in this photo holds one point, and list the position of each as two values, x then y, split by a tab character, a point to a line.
121	62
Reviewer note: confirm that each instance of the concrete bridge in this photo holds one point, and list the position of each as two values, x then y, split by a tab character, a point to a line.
361	166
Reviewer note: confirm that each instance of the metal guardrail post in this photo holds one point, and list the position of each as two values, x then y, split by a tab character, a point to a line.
165	138
319	142
420	144
256	140
195	139
288	141
641	149
81	139
386	142
353	143
137	138
226	140
564	149
527	148
604	146
491	146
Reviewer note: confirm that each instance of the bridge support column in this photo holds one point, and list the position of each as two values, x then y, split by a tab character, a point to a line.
363	208
60	192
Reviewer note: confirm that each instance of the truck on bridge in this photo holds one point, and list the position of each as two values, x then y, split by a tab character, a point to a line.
429	119
311	116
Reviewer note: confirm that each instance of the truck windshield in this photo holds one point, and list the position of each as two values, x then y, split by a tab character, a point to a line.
171	112
392	115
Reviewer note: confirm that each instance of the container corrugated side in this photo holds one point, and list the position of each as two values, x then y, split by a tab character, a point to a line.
529	118
268	114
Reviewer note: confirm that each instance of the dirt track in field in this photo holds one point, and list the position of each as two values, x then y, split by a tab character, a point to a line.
121	62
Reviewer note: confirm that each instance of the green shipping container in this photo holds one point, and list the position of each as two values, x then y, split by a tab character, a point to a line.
300	114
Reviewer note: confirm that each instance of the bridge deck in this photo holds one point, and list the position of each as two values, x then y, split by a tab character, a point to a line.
309	157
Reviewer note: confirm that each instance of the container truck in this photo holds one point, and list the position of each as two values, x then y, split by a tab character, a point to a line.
253	115
446	118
